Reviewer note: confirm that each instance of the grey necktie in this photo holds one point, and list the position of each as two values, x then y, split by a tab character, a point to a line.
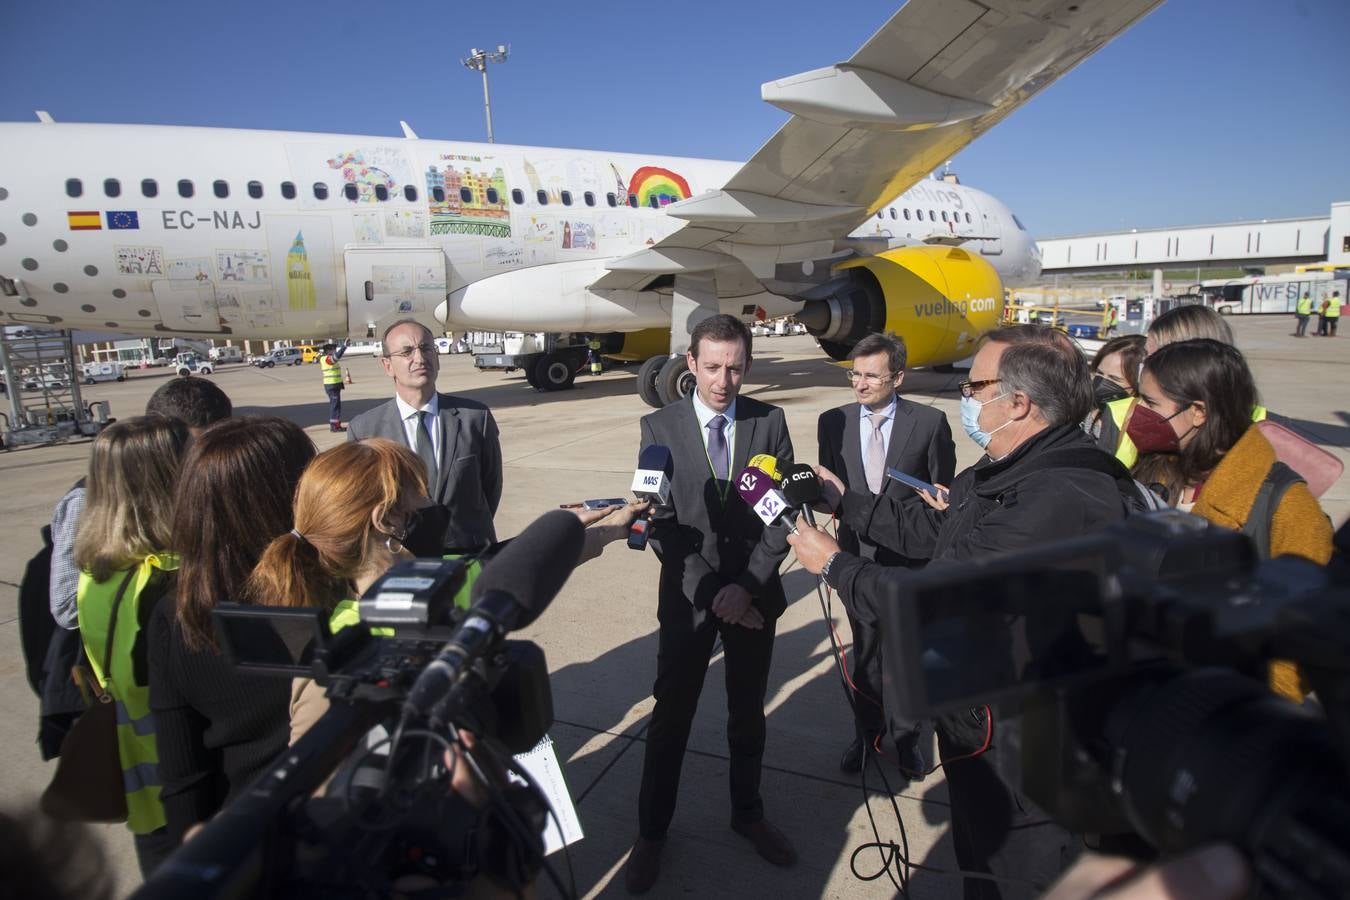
425	450
874	457
717	448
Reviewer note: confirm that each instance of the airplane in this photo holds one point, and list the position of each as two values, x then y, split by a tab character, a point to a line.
237	234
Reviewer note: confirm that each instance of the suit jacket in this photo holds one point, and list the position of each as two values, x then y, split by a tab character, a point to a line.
703	541
921	445
469	481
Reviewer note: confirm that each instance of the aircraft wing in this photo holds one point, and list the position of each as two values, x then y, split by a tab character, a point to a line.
936	76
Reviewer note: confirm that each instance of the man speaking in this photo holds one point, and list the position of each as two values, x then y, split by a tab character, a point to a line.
1040	480
719	578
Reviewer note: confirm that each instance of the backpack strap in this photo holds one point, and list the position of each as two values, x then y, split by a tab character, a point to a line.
1261	517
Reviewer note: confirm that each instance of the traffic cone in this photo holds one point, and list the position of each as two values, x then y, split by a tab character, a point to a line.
348	370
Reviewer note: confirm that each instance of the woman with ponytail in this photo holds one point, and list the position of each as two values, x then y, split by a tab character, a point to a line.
219	728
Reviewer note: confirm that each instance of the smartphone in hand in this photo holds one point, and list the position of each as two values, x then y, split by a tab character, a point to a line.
917	484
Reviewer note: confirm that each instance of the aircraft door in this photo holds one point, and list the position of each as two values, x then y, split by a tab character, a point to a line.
387	283
188	306
991	229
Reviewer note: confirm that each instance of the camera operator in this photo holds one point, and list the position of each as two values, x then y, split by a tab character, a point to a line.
1040	480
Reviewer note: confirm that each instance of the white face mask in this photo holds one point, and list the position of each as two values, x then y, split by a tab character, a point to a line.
970	419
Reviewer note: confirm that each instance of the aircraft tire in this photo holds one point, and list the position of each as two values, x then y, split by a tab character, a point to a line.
675	381
647	376
835	350
529	376
555	372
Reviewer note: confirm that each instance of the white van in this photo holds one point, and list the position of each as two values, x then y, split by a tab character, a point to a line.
94	372
227	354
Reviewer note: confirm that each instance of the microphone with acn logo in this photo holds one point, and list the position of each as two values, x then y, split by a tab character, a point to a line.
756	488
651	482
801	488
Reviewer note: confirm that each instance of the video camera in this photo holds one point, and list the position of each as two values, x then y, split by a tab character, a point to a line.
423	668
1126	672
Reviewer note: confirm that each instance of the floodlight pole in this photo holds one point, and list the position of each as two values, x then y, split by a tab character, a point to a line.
478	61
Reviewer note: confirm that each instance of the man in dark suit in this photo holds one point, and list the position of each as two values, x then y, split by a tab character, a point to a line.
859	442
457	439
719	577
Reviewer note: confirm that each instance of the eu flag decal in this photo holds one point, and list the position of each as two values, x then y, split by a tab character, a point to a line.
123	220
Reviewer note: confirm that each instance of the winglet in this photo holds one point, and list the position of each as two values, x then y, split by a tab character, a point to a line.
407	130
45	117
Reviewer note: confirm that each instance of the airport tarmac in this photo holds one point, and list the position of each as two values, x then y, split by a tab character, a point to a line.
600	633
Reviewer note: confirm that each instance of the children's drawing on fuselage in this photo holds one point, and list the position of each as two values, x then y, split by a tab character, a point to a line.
500	256
242	265
467	195
405	223
139	260
197	268
540	241
364	166
578	235
305	245
367	227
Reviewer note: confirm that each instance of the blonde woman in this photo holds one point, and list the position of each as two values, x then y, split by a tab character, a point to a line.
119	549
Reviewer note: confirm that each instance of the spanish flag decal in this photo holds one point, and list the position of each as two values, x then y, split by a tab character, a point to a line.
85	221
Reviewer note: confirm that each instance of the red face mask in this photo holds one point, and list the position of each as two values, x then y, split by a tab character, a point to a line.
1151	432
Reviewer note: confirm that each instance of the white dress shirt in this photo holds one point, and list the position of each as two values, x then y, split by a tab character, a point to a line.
408	414
705	415
865	426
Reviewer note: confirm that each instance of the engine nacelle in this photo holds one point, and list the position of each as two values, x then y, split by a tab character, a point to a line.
939	299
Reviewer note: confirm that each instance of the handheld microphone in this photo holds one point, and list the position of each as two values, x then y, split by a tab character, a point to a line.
768	465
510	593
756	488
651	482
801	488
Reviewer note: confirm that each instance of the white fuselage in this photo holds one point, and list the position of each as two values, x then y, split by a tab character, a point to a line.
234	233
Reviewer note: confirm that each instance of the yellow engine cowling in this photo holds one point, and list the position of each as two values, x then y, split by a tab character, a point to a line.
939	299
635	346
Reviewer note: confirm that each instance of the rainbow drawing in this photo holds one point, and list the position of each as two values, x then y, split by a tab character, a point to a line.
663	184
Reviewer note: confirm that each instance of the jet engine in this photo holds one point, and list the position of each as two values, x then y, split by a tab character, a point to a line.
940	299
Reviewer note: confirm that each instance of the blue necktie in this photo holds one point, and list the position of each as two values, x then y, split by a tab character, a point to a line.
717	448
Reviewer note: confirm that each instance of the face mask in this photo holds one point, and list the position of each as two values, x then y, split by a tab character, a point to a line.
426	531
970	420
1151	432
1104	390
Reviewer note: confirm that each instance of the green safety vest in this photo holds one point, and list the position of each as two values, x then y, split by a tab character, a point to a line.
348	612
1333	308
332	372
1126	451
135	723
1304	306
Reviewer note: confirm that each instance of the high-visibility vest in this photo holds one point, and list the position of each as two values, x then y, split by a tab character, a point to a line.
332	372
135	723
1304	307
1333	308
348	612
1113	429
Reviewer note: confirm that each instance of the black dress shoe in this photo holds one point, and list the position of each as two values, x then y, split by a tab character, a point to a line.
911	760
769	842
644	865
852	760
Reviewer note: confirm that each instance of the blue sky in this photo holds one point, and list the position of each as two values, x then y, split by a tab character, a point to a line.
1207	111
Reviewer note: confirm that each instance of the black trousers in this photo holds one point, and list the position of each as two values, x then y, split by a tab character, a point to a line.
334	392
868	714
152	848
681	666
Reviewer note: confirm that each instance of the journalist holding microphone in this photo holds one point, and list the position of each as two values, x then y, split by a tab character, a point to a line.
1041	480
719	577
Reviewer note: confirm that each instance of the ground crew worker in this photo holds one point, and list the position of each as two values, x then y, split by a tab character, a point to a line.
1332	316
332	383
593	356
1302	311
1322	317
1112	320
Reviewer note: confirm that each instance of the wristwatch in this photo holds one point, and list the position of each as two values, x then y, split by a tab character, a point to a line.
825	570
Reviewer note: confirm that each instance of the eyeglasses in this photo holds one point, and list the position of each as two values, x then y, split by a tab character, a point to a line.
869	377
968	388
407	352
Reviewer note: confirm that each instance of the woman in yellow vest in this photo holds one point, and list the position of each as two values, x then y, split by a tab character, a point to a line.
119	548
1194	428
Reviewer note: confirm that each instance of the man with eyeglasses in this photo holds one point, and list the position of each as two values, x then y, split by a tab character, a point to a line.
860	441
457	439
1041	480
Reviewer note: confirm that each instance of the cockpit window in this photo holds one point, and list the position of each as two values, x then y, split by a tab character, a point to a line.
1018	223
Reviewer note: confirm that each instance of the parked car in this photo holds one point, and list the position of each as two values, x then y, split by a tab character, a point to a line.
287	356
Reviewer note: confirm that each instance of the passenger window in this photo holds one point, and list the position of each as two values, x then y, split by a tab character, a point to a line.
350	191
381	192
611	199
967	218
541	196
906	213
632	201
932	216
566	198
288	190
589	198
74	187
465	195
149	187
654	201
320	191
410	193
893	212
255	190
944	215
184	188
112	187
517	196
220	188
880	213
438	194
493	198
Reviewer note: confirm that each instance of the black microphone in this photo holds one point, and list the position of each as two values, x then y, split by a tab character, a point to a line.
510	593
651	482
801	487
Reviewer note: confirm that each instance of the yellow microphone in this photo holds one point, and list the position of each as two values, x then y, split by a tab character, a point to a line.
768	465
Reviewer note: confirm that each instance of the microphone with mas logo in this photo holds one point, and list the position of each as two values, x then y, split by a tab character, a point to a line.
756	488
510	593
651	482
801	488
